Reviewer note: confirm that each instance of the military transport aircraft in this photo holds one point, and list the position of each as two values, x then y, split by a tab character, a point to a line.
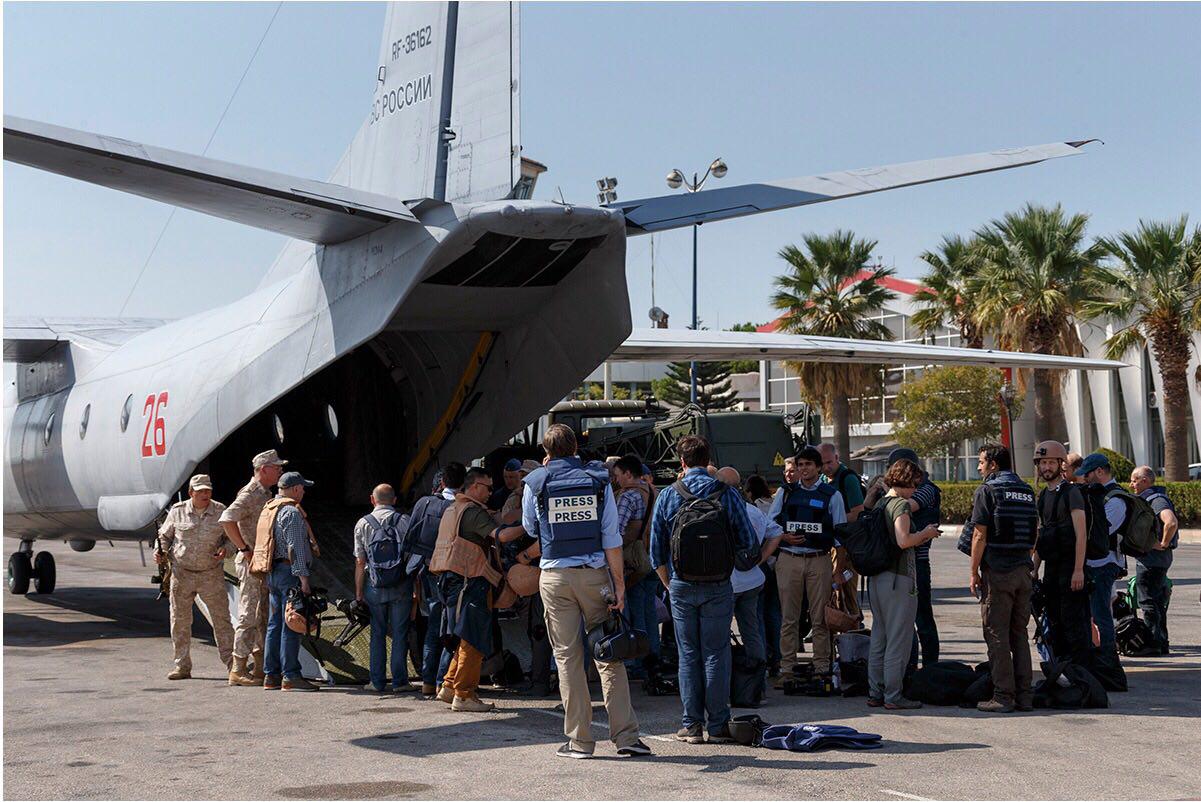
425	308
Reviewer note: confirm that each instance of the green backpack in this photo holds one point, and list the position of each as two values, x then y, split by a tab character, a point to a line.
1139	532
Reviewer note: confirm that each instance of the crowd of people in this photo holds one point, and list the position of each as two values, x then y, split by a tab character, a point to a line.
570	542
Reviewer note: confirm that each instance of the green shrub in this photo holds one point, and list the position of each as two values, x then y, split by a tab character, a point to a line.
957	500
1122	465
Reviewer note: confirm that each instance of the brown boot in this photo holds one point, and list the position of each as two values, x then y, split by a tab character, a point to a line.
180	673
240	674
298	684
258	674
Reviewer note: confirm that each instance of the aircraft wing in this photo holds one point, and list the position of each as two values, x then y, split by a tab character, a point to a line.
684	209
296	207
28	339
681	345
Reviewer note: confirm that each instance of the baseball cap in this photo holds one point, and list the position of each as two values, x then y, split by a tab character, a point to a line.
267	458
1091	463
902	453
292	479
529	466
513	465
200	481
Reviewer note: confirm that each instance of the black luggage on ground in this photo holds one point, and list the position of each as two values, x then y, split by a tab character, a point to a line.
943	683
1107	668
1133	637
1083	691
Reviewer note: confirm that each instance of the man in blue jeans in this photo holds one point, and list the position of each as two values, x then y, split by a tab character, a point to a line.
435	660
1104	571
291	559
386	589
700	611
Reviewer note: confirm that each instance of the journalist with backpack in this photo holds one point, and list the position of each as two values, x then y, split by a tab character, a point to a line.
382	581
420	539
1061	548
1104	571
1154	591
893	590
698	529
1004	524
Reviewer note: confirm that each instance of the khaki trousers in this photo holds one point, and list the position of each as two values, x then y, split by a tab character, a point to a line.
210	587
573	601
798	576
252	610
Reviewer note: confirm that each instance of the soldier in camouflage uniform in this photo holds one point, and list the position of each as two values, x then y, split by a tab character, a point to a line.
193	541
240	521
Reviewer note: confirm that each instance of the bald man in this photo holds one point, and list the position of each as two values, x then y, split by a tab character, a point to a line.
748	585
382	581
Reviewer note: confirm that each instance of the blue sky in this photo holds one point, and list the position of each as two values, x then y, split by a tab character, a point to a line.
628	90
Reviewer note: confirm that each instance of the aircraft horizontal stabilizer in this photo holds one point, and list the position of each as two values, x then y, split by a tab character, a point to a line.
676	211
680	345
296	207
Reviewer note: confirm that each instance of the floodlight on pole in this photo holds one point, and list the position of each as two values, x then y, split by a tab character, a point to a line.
676	179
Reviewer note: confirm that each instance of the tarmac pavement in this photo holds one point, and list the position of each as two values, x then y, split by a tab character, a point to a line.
89	714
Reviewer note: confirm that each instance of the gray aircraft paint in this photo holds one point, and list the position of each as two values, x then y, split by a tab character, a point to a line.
374	261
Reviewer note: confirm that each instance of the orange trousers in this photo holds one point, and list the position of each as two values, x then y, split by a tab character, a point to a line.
463	673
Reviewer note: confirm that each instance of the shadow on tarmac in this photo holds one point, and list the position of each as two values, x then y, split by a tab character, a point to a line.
125	613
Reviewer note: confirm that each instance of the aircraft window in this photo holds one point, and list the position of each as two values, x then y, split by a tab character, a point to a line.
83	423
126	411
49	430
278	425
331	422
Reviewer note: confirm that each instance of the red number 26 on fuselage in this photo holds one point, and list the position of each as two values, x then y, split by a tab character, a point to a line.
154	437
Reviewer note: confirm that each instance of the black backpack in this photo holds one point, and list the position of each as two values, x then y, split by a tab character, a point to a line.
1133	637
943	683
1057	539
702	540
422	534
870	542
1099	542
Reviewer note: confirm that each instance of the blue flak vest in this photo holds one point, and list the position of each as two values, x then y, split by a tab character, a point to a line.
808	511
570	499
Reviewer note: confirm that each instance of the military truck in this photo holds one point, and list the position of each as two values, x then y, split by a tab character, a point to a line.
752	442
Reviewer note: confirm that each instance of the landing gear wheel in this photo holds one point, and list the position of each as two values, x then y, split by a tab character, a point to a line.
20	569
43	573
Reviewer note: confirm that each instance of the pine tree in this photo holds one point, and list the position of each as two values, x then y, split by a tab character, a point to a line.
713	391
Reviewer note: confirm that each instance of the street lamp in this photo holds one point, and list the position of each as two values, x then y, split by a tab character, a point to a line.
675	180
1008	394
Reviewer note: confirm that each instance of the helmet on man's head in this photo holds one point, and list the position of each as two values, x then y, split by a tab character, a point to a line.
1050	449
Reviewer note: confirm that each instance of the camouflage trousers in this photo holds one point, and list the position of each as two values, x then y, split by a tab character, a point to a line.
252	611
210	587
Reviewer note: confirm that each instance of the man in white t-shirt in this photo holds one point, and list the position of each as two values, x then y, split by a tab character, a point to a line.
748	585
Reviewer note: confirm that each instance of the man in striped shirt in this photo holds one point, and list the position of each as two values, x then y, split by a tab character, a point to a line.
289	569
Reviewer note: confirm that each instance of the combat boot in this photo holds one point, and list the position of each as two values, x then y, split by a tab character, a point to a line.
258	673
240	674
180	673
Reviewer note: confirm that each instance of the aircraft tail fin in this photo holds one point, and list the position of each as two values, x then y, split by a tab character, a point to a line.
444	119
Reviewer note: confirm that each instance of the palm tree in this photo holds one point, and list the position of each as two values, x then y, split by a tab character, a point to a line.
831	290
944	298
1034	275
1154	286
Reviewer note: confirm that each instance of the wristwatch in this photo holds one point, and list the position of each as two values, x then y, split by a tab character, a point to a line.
244	550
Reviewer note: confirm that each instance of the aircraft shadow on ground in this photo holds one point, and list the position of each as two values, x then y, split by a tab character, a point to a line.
126	613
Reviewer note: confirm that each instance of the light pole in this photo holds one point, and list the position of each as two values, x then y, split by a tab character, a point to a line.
675	180
1007	395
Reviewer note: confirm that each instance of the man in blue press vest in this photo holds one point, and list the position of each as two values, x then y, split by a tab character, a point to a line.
808	511
568	506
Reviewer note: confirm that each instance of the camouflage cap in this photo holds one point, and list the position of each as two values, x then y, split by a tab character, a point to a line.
200	481
267	458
